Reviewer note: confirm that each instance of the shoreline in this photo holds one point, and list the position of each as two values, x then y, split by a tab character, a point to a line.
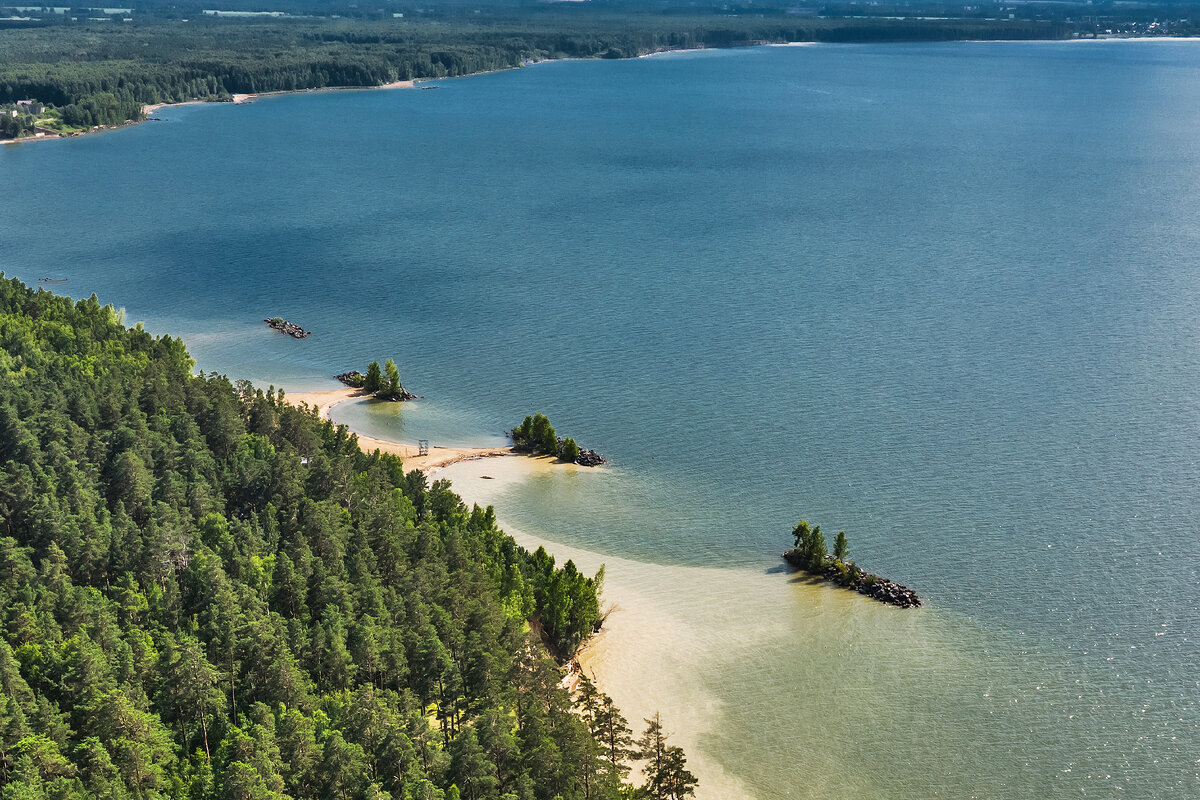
244	99
323	402
237	99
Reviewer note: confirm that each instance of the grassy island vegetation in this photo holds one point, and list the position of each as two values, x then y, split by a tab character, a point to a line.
206	593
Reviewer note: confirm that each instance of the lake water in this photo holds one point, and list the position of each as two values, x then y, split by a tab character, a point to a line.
943	297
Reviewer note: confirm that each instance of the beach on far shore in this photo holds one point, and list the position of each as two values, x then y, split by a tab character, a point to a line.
240	99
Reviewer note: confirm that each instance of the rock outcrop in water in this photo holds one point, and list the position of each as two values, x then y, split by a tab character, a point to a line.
290	328
852	577
589	458
397	396
811	555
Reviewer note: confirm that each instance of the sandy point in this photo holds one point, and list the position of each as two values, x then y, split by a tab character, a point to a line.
435	459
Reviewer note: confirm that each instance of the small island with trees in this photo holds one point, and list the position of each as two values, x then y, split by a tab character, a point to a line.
381	384
811	554
536	435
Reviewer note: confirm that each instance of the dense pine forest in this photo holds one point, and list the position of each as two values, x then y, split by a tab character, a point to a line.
208	593
101	73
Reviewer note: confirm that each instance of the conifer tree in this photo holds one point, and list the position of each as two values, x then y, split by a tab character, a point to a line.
391	379
615	735
652	748
374	380
841	548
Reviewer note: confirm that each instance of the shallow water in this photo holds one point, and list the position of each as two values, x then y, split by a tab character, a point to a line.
941	296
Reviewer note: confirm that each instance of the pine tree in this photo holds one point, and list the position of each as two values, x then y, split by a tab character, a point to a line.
841	548
374	379
391	379
652	748
810	545
677	782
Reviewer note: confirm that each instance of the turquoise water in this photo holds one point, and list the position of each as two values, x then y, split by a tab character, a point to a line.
941	296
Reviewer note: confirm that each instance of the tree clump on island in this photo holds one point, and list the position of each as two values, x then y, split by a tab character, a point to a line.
383	384
536	435
811	553
208	593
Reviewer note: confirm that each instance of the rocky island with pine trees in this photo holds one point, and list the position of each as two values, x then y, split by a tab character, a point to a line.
811	554
537	436
381	384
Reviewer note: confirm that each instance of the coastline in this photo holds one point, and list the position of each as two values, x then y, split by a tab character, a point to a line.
242	99
437	458
238	99
638	622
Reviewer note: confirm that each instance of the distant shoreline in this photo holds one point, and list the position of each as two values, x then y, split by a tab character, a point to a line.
242	99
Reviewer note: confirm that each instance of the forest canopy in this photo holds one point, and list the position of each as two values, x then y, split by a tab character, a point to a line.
208	593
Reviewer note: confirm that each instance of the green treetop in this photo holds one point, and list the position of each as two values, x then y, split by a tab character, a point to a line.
391	378
841	548
374	380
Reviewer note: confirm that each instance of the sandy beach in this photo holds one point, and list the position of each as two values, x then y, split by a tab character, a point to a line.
239	99
437	458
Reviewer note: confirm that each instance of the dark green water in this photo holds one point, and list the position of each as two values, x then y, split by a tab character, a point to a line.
942	296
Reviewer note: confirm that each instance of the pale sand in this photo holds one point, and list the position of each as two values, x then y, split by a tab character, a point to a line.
150	109
437	458
239	99
247	98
